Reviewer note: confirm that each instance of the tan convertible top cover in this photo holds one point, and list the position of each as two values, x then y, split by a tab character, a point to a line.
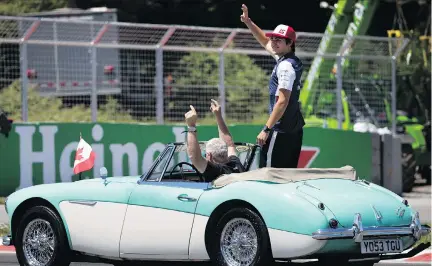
286	175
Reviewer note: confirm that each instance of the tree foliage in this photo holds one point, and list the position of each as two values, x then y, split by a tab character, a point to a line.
197	79
50	109
414	84
16	7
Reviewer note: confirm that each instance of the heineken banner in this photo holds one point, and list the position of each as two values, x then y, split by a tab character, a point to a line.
44	152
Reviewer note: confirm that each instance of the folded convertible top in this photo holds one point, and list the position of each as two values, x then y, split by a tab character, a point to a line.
286	175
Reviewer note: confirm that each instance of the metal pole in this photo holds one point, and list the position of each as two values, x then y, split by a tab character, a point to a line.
339	91
24	66
159	75
95	41
222	100
24	83
159	87
393	94
222	89
56	66
94	85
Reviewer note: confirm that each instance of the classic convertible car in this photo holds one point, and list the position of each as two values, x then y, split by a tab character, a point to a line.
250	218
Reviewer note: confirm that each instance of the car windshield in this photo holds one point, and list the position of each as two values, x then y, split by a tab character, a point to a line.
180	155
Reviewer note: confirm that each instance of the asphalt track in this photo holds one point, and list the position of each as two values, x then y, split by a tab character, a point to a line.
10	260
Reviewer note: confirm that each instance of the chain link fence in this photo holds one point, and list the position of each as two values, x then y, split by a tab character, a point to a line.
152	73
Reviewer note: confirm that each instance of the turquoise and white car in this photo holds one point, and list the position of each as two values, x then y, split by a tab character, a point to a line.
251	218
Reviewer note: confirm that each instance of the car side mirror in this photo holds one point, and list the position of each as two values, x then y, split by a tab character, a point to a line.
103	172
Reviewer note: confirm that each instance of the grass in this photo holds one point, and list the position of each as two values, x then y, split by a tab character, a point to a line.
4	229
2	200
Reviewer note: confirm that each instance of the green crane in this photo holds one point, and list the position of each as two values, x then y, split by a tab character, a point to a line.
349	18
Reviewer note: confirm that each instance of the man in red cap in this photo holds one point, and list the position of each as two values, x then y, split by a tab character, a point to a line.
282	136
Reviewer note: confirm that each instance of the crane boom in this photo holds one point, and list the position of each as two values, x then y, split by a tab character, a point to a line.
350	18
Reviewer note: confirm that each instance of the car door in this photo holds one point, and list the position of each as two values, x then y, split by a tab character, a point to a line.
159	220
96	211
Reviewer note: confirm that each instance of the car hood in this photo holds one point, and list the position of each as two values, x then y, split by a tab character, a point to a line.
345	198
114	189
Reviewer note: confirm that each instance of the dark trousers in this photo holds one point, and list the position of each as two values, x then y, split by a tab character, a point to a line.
281	150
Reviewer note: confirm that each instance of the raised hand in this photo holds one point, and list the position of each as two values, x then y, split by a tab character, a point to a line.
191	116
214	106
245	16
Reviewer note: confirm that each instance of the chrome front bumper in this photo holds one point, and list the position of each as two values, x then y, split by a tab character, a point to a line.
357	231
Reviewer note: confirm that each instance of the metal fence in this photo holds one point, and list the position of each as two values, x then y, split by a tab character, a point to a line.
148	72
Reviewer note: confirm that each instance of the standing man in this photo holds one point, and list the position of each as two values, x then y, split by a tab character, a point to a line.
282	136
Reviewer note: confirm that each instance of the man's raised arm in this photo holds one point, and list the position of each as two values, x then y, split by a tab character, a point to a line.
193	148
224	133
257	32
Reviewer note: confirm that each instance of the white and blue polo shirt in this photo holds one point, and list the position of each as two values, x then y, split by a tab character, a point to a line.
287	75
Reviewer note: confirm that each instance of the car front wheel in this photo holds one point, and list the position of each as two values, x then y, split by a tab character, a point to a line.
41	239
241	238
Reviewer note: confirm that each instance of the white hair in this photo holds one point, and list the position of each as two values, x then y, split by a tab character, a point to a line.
218	149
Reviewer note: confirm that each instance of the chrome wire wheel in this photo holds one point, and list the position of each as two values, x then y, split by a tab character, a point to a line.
239	242
38	242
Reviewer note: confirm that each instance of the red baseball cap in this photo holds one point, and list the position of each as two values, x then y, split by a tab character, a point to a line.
283	31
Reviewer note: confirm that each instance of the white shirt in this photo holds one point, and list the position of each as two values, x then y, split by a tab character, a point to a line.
285	72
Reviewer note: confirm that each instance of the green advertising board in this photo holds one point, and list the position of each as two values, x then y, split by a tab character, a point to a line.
40	153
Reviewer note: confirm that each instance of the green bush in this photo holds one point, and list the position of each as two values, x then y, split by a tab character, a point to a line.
197	79
16	7
4	229
50	109
196	83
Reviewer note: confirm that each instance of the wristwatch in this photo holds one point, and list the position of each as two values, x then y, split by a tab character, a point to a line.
192	129
266	129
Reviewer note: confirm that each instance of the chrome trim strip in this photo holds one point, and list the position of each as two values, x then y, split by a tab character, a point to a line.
83	202
378	215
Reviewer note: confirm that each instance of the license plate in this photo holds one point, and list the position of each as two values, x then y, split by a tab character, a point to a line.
381	246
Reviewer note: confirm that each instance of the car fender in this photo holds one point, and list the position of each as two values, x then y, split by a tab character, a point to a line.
280	209
111	190
290	218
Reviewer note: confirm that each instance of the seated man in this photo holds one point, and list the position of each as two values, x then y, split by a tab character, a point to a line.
221	157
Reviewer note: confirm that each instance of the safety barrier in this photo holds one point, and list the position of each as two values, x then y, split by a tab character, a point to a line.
40	153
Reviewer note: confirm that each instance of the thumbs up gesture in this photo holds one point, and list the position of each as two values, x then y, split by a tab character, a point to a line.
191	117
